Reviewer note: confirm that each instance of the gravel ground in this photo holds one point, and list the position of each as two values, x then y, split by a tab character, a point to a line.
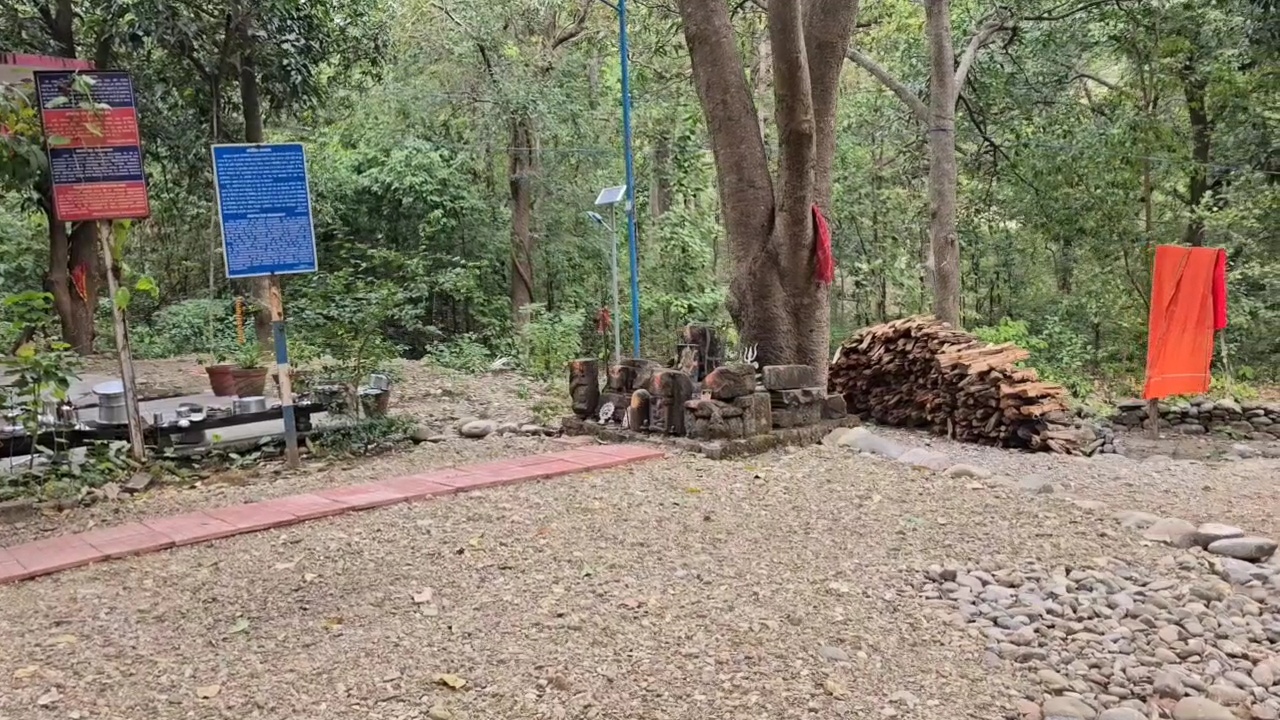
782	586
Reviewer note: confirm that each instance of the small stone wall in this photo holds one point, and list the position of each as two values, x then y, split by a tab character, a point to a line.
1244	419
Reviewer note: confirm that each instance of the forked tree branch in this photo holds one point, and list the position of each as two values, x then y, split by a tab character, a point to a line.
574	30
918	109
980	39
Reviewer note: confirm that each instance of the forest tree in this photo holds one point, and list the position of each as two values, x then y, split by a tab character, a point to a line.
774	298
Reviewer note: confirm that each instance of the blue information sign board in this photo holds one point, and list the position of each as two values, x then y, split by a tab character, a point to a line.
264	203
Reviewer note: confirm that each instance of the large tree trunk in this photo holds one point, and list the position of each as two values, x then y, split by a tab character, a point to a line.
944	242
251	107
521	170
773	297
66	254
1195	87
77	253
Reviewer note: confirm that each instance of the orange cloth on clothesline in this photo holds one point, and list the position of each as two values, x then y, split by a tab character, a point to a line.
1188	304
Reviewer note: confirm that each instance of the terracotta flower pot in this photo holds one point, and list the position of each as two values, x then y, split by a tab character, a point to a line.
220	380
249	382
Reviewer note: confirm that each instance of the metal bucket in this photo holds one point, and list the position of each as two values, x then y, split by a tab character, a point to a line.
251	404
111	409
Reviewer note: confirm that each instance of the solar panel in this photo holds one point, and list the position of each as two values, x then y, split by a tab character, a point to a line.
611	195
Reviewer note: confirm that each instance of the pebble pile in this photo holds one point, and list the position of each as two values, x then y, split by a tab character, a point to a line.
1198	641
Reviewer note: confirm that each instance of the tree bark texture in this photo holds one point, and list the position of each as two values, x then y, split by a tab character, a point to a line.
73	255
661	190
1195	87
521	169
773	297
254	132
943	239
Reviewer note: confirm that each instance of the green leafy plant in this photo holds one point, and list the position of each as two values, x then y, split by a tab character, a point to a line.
363	436
549	340
249	356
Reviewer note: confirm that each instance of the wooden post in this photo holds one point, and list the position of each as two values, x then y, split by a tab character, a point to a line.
137	446
276	299
1153	417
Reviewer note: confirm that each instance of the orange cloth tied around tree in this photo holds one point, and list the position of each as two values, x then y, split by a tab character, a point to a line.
1188	305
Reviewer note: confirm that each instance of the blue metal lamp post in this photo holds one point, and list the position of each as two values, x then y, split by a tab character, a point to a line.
621	9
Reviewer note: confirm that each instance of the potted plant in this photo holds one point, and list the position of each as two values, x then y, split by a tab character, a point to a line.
249	374
221	380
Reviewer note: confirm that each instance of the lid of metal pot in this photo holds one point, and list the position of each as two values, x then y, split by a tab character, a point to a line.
110	387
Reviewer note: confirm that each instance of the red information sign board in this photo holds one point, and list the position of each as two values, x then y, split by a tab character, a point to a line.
90	124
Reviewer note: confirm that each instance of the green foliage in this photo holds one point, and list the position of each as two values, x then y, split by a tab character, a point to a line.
68	476
340	329
1056	352
249	356
1075	138
549	340
187	328
463	353
364	436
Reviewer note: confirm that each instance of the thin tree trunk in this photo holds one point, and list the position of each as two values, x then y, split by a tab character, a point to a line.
943	240
1195	87
251	107
660	190
520	174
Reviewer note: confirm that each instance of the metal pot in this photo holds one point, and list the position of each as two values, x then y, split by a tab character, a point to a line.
188	413
251	404
111	409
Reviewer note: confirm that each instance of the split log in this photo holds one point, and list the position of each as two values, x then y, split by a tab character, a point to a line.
920	372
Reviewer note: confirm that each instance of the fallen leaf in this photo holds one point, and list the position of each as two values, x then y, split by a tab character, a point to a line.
431	610
835	689
543	532
63	640
630	603
424	596
241	625
976	486
450	681
332	623
26	672
49	698
475	541
693	490
286	565
309	577
208	692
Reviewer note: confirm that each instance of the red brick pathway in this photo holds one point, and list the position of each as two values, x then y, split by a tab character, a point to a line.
28	560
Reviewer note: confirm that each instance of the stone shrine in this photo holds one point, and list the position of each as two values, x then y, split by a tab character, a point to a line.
721	410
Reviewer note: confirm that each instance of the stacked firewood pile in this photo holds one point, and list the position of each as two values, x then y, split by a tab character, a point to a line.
919	372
